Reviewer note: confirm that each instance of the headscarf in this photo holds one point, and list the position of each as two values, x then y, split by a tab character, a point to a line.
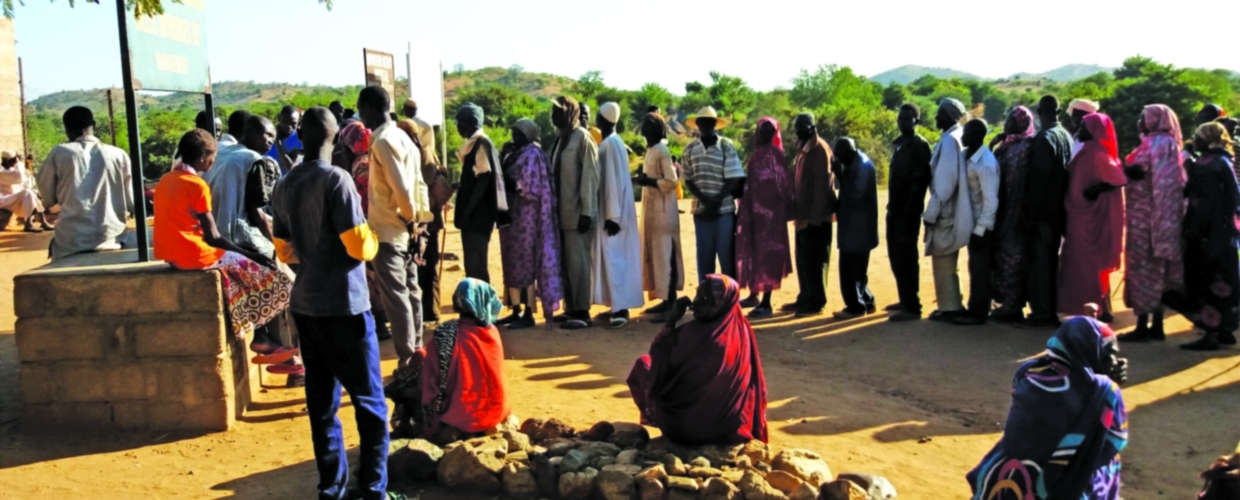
1103	129
1067	423
1213	135
955	108
476	298
1085	105
778	142
1023	118
356	137
1161	119
470	114
528	128
715	297
569	106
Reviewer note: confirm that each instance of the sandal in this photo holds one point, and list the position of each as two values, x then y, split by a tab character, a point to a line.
264	347
287	368
617	322
277	356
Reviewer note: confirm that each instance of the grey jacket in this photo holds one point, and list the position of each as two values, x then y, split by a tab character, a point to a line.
575	167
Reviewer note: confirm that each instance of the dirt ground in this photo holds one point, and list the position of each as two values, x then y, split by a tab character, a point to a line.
919	403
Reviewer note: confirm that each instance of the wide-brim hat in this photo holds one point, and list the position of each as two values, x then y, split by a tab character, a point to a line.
706	112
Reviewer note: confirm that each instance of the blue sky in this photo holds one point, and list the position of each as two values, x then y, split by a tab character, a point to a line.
766	42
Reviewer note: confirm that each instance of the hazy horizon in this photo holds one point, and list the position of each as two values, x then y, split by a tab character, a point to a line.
75	48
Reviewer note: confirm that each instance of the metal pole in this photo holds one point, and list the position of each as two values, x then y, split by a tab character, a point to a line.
210	114
135	146
111	117
21	83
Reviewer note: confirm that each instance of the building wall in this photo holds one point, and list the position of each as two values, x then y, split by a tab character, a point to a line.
10	92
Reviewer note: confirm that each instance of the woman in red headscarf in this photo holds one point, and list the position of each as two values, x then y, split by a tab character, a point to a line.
702	382
763	257
1094	236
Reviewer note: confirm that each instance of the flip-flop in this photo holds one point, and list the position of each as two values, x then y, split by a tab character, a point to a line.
261	347
575	324
617	322
287	369
277	356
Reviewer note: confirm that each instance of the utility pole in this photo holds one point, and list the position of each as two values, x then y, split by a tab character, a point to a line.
111	117
135	145
21	83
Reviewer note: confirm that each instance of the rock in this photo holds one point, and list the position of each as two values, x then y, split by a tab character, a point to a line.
599	448
649	488
704	472
877	487
598	432
574	461
805	464
842	489
757	451
756	488
473	467
600	461
421	459
733	476
673	465
397	457
629	435
518	456
517	440
614	483
551	429
719	489
546	473
558	447
720	454
631	470
627	457
656	472
531	425
681	495
783	481
744	462
699	462
682	483
518	481
804	492
511	424
577	484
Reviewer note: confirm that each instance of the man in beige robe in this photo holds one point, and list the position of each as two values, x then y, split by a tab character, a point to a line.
663	269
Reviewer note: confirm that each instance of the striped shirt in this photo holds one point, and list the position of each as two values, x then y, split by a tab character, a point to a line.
708	168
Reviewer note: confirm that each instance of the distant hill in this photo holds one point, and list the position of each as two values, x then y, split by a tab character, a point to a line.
234	93
908	73
1065	73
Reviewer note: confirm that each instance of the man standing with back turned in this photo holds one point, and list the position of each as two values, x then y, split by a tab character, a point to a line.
907	182
319	223
1045	186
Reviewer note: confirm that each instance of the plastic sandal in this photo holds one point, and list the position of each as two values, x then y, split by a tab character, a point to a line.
277	356
287	369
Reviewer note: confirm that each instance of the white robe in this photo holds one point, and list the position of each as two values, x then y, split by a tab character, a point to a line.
16	192
617	259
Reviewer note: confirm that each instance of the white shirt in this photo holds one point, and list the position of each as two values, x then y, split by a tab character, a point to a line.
983	173
91	182
397	190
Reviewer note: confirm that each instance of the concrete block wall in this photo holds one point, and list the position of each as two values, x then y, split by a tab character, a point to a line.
127	346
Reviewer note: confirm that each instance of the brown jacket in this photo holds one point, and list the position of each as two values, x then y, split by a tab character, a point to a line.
815	197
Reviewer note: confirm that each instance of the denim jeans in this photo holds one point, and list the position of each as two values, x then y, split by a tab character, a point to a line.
715	236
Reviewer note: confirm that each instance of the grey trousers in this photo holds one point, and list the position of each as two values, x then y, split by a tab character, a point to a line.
578	282
398	287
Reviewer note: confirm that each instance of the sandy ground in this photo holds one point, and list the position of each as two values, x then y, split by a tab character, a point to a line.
919	403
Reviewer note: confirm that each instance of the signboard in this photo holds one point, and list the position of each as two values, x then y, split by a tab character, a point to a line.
169	51
381	71
426	82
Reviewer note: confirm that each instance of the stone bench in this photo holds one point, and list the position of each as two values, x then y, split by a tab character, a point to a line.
105	342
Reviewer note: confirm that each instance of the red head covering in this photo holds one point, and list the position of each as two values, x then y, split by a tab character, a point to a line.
356	137
777	141
1161	119
1103	129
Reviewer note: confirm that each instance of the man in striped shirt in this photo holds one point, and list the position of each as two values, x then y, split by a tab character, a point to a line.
712	172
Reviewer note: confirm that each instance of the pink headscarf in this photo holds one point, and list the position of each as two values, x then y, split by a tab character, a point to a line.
1024	120
356	137
777	141
1161	119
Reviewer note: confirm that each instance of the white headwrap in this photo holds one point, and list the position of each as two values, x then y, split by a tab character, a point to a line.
1085	105
610	111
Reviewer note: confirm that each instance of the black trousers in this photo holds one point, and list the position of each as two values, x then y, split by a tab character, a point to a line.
1043	269
428	276
981	260
813	253
902	251
475	245
855	281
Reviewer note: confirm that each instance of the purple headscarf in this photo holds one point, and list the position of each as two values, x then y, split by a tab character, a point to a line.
1023	119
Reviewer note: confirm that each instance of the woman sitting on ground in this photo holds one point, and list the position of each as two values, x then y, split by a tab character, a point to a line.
185	235
702	382
1067	424
456	388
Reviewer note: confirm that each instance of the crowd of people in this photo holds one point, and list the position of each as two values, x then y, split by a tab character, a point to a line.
326	229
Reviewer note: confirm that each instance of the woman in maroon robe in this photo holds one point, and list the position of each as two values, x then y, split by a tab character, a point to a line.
1094	240
702	382
763	257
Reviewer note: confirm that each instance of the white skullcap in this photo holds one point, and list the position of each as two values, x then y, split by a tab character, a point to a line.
610	111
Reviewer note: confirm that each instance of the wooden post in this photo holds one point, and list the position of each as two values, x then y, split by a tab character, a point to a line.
21	84
111	117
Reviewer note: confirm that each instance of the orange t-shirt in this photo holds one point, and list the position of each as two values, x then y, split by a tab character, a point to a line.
177	236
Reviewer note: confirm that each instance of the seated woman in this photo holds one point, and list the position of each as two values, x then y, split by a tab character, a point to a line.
185	235
702	382
1067	424
456	388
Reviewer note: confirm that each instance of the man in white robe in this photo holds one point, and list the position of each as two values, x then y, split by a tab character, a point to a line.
617	244
16	193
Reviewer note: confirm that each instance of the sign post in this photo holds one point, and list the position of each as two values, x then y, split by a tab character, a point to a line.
381	71
164	52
